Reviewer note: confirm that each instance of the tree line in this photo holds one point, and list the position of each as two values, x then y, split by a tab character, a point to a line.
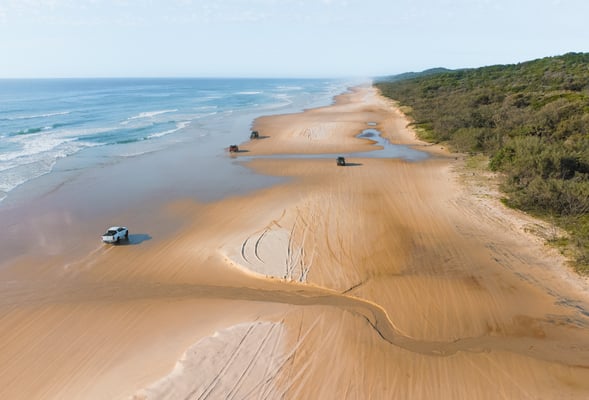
532	121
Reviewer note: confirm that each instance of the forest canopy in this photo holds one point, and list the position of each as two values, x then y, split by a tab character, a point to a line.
531	119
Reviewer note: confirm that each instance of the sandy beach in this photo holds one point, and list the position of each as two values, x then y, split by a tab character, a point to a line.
382	279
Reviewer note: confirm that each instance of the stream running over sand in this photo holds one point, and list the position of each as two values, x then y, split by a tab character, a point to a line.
383	149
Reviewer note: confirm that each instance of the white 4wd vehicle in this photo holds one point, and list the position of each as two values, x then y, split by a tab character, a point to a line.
115	234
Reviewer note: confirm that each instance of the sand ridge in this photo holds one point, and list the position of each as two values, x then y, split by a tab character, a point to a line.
384	279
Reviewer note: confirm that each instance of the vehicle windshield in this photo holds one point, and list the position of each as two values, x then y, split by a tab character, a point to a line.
110	233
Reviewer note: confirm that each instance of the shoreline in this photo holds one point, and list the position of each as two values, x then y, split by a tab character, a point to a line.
467	296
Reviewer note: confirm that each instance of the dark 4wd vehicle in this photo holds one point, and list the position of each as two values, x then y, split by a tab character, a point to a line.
341	161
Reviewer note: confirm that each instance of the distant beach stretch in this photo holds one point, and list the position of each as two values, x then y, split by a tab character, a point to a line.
275	271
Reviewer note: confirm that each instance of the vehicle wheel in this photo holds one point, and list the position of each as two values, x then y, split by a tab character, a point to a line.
118	239
127	235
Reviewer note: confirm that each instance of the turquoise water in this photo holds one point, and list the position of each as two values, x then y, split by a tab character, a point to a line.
388	150
44	122
382	149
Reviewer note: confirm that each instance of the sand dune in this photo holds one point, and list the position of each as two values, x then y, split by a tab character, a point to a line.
383	279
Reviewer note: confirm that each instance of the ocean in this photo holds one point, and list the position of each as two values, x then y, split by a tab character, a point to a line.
44	122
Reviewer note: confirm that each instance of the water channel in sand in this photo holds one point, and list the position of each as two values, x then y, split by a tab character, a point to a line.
383	149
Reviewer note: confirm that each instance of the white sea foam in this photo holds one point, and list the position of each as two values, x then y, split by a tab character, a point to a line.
19	174
156	95
36	156
34	144
151	114
136	153
204	115
179	125
81	132
209	97
289	88
206	108
195	116
249	92
34	165
47	115
283	101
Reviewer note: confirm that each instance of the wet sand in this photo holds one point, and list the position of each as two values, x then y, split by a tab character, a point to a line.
381	279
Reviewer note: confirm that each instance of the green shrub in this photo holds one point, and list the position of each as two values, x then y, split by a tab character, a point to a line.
532	121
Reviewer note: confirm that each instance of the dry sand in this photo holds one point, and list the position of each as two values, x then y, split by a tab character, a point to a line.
383	279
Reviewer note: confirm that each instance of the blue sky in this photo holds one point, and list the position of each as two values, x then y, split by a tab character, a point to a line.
280	38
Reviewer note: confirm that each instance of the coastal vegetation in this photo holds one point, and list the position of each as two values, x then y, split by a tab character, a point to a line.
531	120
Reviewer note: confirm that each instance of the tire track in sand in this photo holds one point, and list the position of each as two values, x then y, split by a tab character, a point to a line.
250	365
234	354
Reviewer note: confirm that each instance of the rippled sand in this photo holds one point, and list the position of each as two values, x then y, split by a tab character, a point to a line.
382	279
